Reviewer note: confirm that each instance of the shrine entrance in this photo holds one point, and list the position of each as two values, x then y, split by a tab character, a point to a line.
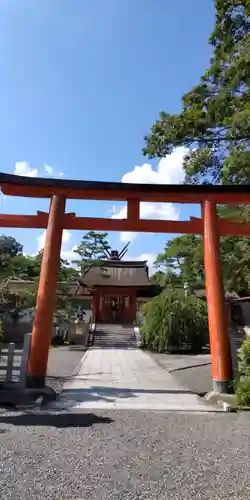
115	306
113	309
209	226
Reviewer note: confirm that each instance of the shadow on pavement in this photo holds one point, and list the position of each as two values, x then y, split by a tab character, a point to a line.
110	394
60	378
126	392
112	346
77	348
59	420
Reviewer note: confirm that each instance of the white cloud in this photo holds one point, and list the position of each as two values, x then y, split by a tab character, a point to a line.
51	172
23	168
70	254
163	211
151	211
126	236
65	239
48	169
168	171
149	257
67	252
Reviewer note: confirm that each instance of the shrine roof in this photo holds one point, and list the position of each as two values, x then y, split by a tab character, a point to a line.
120	263
132	274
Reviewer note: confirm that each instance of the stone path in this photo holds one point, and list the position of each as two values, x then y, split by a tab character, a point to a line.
190	370
125	378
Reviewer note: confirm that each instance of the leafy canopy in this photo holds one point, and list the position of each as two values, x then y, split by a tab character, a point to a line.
183	257
173	322
9	246
92	249
15	265
215	118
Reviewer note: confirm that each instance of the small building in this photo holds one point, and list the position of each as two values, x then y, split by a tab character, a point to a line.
117	289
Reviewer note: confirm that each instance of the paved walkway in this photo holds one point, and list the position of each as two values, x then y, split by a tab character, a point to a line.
193	371
125	378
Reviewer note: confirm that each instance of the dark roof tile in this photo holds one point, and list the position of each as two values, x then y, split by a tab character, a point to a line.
117	275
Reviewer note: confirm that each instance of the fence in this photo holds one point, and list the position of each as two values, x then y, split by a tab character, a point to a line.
14	361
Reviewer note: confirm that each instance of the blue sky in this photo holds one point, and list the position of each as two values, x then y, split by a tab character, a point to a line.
82	81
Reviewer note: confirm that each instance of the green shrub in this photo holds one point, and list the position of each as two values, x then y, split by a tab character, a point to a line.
244	358
242	386
173	322
242	391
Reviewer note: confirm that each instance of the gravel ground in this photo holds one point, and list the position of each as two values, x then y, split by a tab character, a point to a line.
62	364
125	455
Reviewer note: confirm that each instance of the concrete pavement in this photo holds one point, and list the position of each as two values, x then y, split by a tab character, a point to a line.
63	363
125	378
193	371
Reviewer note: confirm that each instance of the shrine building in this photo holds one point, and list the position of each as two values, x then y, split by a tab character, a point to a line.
116	288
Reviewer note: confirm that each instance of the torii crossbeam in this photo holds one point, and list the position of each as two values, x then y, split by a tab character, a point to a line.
209	226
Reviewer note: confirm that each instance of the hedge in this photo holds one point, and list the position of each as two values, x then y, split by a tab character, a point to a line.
173	322
242	386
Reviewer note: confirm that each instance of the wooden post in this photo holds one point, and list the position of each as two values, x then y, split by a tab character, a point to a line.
219	337
46	295
133	209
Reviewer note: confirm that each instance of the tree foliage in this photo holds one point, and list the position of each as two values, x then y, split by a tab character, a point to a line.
173	322
164	279
184	256
242	386
215	118
9	246
66	271
15	265
92	249
214	124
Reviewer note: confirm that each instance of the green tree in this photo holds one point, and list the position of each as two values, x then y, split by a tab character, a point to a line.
184	256
24	267
173	322
9	246
66	271
92	249
165	278
215	118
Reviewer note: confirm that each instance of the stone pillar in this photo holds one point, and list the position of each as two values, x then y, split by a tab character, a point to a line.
219	337
46	295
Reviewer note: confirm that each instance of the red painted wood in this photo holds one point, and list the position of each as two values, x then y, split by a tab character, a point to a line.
219	338
46	295
194	226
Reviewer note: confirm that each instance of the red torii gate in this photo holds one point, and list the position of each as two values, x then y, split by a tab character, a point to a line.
56	220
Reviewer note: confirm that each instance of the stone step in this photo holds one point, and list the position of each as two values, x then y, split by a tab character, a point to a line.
114	336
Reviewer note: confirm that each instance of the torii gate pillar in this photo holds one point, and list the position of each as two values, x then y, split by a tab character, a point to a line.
46	295
218	328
